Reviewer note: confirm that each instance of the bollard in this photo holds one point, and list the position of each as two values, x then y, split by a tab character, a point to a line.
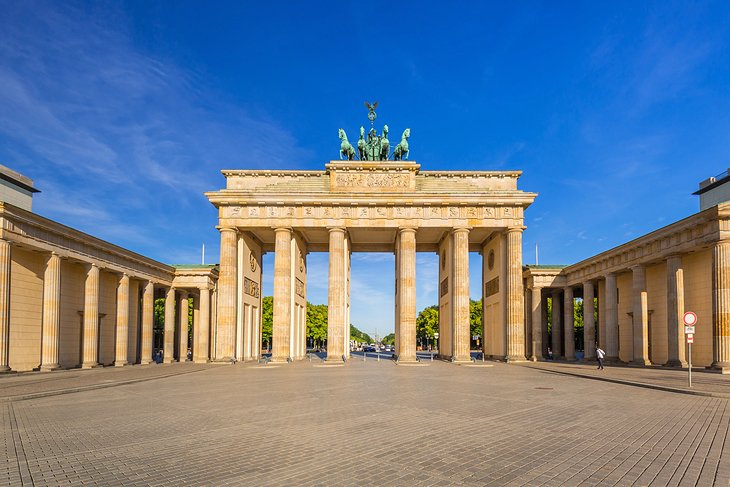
378	356
431	356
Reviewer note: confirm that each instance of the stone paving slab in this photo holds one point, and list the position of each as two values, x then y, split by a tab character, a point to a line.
665	378
366	423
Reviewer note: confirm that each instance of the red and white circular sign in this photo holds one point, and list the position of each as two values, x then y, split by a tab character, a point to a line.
690	319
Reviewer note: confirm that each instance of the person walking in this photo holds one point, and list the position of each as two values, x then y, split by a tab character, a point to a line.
599	356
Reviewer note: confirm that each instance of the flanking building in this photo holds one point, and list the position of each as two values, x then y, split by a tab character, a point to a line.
642	290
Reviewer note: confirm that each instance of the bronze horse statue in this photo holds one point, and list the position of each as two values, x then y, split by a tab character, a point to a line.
401	151
347	152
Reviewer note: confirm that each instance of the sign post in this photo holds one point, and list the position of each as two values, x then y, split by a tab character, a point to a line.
690	320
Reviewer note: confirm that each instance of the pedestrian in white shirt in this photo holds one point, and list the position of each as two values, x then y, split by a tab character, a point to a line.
599	356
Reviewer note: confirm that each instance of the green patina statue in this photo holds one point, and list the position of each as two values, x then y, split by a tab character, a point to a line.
346	149
374	147
400	153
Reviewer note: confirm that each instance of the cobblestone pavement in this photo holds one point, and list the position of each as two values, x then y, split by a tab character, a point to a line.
365	423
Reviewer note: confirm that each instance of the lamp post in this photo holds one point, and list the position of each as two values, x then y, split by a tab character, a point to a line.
436	337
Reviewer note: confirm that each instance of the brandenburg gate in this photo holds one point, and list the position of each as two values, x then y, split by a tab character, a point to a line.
369	205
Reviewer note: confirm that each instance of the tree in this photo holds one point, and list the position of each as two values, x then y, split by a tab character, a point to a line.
158	327
389	339
267	319
427	323
358	335
475	318
317	323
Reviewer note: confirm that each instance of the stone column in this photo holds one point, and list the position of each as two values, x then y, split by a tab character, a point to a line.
202	332
515	303
569	323
183	318
721	307
556	328
611	296
407	296
91	319
589	321
461	337
283	296
148	316
51	313
536	311
225	342
544	325
527	299
4	306
168	351
675	312
336	301
121	352
641	316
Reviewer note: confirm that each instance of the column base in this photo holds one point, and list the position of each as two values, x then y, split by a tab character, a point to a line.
461	360
640	362
516	358
50	367
286	360
675	363
145	362
224	360
330	359
406	359
201	361
720	368
5	369
90	365
120	363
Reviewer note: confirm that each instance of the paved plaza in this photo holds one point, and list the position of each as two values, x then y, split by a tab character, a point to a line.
364	423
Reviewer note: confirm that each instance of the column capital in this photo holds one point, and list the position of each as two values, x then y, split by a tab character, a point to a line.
283	229
336	229
123	276
460	229
674	257
520	228
636	267
227	229
407	229
183	293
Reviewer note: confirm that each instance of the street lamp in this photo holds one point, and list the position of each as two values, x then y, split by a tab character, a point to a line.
436	337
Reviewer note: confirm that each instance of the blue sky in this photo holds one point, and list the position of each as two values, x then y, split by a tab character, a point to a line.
124	112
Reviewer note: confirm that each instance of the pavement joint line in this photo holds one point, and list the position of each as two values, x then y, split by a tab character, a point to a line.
627	382
92	387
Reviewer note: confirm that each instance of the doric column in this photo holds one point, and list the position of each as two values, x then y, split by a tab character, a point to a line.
461	338
515	302
589	320
407	295
148	317
536	311
336	299
556	326
4	306
121	349
51	313
569	323
183	318
527	299
91	318
282	295
675	312
202	329
611	296
721	307
169	336
226	326
544	324
640	307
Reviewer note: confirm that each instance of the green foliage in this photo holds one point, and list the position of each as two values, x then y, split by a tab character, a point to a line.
389	339
427	322
267	319
475	318
358	335
317	323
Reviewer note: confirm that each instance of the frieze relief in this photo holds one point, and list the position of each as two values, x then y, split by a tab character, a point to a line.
365	212
373	180
300	288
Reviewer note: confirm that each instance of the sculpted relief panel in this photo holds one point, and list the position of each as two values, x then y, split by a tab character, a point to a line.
371	181
373	212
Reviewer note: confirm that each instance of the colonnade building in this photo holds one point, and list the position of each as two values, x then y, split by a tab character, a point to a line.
68	299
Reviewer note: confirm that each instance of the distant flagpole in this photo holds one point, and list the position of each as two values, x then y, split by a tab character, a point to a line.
537	261
203	256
